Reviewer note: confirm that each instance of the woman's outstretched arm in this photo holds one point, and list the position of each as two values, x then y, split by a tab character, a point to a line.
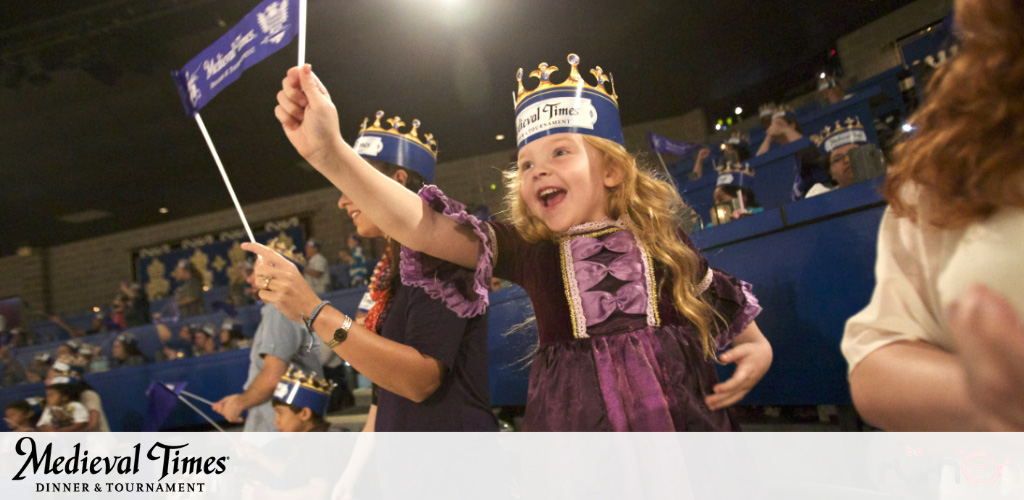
310	121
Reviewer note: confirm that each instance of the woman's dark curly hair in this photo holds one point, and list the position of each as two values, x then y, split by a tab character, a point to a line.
966	155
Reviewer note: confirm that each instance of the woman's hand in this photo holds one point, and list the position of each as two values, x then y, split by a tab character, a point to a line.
753	356
990	347
308	116
281	283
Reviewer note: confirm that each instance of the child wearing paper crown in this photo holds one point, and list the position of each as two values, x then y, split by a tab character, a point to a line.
429	365
631	318
300	402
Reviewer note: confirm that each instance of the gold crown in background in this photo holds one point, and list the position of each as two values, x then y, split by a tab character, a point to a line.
427	141
287	251
852	123
73	360
782	110
766	109
544	71
308	380
735	168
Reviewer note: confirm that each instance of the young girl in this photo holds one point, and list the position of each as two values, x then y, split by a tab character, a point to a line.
63	413
630	316
430	364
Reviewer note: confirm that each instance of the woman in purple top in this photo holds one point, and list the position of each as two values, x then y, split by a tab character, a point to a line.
428	364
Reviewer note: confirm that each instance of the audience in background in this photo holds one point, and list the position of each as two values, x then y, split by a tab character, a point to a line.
356	260
231	336
39	368
239	293
13	371
63	412
188	296
205	340
137	310
315	270
125	352
20	417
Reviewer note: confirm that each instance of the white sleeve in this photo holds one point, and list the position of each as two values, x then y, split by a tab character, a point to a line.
46	418
79	413
902	304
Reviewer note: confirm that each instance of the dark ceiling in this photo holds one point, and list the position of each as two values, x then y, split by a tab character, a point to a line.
92	121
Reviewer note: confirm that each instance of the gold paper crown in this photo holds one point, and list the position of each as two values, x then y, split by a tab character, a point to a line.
308	380
427	141
852	123
543	73
782	110
737	138
287	251
735	168
766	109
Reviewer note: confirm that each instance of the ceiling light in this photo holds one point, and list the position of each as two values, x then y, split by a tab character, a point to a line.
163	210
499	137
822	75
95	309
907	127
718	126
739	110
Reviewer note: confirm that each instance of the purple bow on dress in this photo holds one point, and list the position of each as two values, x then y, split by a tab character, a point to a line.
630	298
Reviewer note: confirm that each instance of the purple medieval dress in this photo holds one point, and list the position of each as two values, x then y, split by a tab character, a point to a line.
614	354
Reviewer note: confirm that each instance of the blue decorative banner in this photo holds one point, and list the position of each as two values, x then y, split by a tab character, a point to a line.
217	262
269	26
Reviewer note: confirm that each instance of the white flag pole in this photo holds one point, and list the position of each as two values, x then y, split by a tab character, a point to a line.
224	175
302	32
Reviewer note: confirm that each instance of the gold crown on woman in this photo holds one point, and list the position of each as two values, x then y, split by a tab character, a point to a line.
575	79
735	168
394	123
287	251
851	124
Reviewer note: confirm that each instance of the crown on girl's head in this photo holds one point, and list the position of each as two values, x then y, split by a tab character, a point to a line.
573	106
287	250
735	174
848	131
575	79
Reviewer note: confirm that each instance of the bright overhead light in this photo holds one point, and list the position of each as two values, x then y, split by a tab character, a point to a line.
822	75
908	127
499	137
95	309
739	110
718	126
163	210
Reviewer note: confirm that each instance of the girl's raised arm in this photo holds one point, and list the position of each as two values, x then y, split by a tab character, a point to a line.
310	121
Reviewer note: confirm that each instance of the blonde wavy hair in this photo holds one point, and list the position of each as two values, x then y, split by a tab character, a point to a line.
652	207
967	154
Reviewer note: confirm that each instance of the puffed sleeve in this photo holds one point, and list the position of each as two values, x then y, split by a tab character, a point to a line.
902	306
464	291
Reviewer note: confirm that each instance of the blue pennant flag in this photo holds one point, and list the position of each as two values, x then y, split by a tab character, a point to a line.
162	399
660	144
264	30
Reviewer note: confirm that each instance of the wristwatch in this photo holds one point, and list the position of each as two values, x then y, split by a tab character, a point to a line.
340	334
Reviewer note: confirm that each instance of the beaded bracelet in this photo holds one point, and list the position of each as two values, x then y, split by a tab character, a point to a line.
312	317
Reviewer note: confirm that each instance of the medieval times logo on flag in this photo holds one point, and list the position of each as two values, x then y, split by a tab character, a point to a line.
264	30
272	21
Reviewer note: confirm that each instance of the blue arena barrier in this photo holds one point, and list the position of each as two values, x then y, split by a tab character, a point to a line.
509	345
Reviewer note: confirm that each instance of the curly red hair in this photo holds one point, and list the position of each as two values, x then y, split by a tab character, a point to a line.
966	155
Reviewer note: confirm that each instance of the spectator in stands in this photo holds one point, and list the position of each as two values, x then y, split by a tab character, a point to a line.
735	182
12	370
74	367
69	348
278	343
188	297
831	91
940	346
99	325
205	340
315	270
784	129
137	311
239	293
174	349
356	260
765	115
125	352
231	336
837	142
63	412
118	309
39	368
20	337
19	416
300	402
96	362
